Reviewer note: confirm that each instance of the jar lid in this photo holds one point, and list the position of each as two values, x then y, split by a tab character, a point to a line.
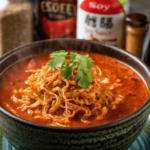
136	20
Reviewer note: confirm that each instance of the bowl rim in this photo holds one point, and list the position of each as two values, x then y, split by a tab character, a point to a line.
128	118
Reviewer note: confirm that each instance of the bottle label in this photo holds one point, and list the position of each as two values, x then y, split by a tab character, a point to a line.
57	19
99	22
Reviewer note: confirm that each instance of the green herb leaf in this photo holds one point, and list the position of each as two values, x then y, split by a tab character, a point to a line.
84	78
73	57
82	62
67	71
59	59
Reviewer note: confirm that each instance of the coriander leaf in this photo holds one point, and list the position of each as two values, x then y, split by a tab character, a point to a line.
73	56
61	53
59	59
67	70
84	62
83	78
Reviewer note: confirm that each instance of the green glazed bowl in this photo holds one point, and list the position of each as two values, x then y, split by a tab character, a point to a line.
117	135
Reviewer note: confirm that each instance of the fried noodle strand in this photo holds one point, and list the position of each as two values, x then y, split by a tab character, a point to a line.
60	100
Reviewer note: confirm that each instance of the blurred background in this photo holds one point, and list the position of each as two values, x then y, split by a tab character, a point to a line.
26	21
141	6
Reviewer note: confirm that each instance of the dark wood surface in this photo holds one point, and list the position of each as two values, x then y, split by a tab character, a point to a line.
142	6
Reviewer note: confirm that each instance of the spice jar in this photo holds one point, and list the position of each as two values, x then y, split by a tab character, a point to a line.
16	24
136	28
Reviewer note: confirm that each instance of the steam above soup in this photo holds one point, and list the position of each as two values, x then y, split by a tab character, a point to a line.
71	94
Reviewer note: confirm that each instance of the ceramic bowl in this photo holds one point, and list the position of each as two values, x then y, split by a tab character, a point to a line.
117	135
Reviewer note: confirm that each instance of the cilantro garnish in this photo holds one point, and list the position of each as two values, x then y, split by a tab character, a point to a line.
82	62
59	59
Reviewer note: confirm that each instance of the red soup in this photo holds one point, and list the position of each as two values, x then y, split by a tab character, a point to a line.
115	92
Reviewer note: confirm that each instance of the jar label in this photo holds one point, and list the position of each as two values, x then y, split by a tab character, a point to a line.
57	19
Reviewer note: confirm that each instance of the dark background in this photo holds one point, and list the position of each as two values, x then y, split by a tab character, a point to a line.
142	6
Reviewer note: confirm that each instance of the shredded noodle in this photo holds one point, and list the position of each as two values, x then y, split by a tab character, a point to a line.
59	100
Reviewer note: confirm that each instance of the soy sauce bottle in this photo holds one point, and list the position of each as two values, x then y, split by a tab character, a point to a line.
102	21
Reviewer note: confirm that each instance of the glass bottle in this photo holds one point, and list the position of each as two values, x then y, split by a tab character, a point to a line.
56	19
101	21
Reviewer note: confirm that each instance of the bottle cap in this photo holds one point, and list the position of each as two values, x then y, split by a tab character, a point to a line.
136	20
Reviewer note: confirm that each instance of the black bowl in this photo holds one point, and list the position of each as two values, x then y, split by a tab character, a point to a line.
118	135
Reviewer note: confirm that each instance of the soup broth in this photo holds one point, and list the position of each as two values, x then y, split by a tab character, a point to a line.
116	76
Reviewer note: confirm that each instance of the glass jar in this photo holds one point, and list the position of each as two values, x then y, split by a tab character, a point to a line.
136	29
16	24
